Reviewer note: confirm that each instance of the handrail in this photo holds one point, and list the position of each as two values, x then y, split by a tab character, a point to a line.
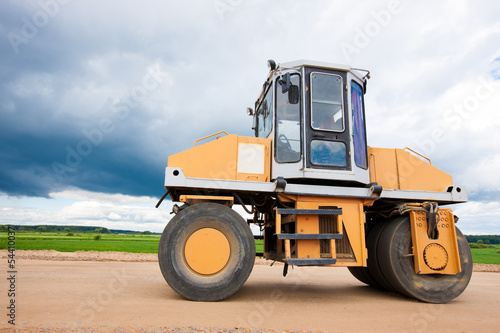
208	136
424	157
374	166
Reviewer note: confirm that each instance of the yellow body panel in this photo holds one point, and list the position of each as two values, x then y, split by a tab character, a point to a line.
400	170
428	260
229	157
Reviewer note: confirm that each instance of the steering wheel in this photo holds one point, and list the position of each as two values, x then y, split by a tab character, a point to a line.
284	139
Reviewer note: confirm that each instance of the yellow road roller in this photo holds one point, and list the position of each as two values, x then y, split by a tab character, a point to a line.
319	194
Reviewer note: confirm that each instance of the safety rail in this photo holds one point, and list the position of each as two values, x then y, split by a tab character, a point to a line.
424	157
374	169
209	136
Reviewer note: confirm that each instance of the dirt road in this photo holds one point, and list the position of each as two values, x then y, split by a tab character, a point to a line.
132	296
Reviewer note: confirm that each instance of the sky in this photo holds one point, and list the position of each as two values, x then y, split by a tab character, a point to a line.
95	95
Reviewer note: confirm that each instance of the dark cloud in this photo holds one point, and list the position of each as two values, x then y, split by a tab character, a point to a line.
42	153
43	144
54	104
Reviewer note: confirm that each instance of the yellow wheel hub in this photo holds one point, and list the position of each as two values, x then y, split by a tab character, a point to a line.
207	251
435	256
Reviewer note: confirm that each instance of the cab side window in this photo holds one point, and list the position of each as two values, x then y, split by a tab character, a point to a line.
358	125
265	115
288	133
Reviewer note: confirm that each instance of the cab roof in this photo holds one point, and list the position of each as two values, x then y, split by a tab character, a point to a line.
313	63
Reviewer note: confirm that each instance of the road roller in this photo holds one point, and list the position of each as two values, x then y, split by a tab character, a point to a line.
315	192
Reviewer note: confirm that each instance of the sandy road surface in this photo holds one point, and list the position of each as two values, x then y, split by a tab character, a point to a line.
86	296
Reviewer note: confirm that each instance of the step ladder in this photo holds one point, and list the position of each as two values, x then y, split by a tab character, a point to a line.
299	236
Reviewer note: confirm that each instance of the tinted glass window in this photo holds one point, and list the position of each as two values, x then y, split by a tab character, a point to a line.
265	115
328	153
358	121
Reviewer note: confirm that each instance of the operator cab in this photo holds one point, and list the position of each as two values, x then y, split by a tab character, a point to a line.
314	114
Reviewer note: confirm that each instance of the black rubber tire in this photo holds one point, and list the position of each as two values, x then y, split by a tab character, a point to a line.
395	242
373	264
363	275
181	277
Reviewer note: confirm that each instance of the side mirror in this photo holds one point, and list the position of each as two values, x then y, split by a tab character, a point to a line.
293	94
293	90
285	83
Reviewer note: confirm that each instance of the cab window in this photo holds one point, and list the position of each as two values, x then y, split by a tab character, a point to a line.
264	115
328	153
358	124
288	133
326	102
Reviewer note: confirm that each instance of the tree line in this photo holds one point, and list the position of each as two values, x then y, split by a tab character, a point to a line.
485	239
69	228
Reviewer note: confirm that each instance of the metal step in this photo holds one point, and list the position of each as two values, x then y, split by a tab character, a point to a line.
310	236
291	211
311	262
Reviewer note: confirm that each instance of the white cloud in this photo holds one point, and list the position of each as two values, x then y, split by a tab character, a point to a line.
78	207
483	175
104	198
479	218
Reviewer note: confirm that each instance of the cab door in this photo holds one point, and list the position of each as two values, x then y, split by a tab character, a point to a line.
327	136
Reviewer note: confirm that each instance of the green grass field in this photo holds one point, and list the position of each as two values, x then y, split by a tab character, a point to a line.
84	242
259	245
147	244
486	256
